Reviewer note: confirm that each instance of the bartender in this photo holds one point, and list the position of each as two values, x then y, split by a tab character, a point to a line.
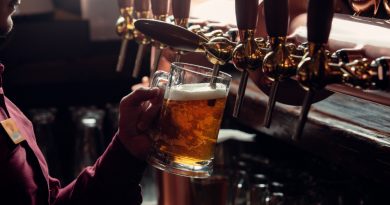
113	179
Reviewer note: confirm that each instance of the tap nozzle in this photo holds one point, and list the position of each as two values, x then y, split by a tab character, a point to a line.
247	55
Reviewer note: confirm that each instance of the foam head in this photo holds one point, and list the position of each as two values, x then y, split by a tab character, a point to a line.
198	91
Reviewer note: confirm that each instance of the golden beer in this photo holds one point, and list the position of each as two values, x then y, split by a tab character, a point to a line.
189	124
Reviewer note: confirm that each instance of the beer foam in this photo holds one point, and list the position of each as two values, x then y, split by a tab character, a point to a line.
199	91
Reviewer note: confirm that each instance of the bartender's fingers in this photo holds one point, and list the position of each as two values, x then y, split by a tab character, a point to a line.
137	97
150	113
143	83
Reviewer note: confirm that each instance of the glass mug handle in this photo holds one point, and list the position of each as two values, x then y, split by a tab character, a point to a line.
160	79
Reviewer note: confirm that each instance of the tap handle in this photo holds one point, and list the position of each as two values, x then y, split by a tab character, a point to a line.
276	17
181	8
141	5
125	3
319	20
246	14
159	7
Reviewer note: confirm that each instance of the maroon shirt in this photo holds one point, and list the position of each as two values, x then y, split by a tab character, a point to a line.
24	177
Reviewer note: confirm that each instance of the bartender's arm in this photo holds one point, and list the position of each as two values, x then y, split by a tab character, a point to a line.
115	177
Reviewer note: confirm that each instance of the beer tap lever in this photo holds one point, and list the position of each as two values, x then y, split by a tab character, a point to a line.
174	36
125	29
247	55
218	49
278	64
313	71
142	11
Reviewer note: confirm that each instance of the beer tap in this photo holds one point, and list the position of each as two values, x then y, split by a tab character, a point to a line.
141	11
247	55
207	34
363	74
181	14
160	12
218	49
125	29
347	55
313	71
278	64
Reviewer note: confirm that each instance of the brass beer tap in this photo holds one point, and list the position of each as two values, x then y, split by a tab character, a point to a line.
346	55
278	64
314	72
125	29
142	12
364	74
160	12
247	55
218	50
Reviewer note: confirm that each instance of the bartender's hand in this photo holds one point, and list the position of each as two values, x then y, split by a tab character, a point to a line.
137	113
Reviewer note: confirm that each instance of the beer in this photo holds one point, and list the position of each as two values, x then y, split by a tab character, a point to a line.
189	124
191	114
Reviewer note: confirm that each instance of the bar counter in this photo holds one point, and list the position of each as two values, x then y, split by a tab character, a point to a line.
350	132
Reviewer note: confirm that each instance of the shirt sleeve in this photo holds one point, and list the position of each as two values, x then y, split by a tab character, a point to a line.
113	179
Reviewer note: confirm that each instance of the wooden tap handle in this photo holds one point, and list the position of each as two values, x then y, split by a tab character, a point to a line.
181	8
159	7
125	3
169	34
246	14
276	17
319	20
141	5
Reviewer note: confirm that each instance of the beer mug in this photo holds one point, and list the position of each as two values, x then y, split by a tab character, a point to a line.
190	118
